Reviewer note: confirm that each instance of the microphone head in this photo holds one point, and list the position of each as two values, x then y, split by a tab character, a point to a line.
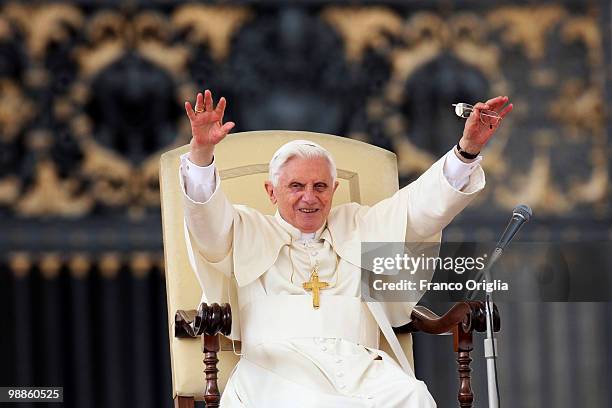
522	210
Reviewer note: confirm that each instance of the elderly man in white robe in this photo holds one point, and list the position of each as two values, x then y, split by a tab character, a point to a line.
304	346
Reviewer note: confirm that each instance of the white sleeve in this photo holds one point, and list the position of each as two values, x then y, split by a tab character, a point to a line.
200	182
458	172
208	213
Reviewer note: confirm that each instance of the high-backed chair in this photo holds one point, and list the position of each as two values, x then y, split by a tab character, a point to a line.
367	174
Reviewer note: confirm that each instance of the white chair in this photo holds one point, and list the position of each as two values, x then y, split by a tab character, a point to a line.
367	174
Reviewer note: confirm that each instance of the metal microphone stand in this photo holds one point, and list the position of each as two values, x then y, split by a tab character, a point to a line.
520	215
490	342
490	348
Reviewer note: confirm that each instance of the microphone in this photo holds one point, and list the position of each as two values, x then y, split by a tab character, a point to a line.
520	215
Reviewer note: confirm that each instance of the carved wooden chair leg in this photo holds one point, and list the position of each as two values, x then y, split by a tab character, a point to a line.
210	348
463	347
206	322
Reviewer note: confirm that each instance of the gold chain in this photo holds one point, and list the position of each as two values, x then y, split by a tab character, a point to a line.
316	267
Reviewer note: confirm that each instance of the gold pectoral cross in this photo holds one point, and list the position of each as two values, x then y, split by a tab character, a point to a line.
315	285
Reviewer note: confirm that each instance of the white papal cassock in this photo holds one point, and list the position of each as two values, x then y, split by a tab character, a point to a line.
295	355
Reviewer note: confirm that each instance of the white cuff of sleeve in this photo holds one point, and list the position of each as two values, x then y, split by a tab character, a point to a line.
458	172
200	182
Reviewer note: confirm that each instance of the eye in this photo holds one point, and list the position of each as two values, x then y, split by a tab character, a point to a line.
320	187
296	186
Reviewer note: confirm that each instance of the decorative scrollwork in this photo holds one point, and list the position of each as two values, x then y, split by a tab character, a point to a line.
90	97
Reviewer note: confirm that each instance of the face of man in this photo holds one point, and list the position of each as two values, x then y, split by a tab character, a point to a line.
304	192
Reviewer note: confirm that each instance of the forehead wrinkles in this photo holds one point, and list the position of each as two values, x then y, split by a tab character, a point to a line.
305	171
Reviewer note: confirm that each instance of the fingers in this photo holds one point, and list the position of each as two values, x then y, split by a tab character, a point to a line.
506	110
208	101
190	113
478	107
199	105
497	102
220	109
482	106
227	127
204	103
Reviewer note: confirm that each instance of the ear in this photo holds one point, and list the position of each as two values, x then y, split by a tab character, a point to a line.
336	184
270	190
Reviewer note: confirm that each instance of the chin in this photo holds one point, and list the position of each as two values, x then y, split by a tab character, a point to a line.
309	227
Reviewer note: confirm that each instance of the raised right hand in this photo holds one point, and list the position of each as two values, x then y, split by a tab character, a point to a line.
207	128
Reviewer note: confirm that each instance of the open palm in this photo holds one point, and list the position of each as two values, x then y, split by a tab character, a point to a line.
207	128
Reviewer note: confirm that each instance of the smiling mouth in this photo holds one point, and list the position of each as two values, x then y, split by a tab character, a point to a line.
308	210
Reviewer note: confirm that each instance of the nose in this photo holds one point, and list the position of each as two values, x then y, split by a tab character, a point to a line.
309	196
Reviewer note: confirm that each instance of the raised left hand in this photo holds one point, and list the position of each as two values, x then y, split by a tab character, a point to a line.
478	130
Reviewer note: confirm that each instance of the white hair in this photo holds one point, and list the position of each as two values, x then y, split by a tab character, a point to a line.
298	148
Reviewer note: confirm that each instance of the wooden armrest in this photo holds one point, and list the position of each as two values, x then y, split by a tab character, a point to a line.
208	319
470	314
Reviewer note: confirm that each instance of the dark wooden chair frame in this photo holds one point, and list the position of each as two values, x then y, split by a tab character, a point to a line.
461	321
